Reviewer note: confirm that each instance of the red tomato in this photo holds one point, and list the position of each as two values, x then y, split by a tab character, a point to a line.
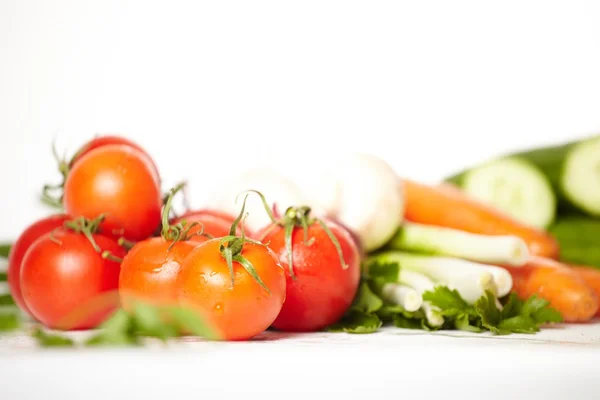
322	290
216	223
239	312
62	274
18	250
149	271
104	140
118	181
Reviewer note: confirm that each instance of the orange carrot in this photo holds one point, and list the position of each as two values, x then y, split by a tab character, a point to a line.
591	276
561	285
447	206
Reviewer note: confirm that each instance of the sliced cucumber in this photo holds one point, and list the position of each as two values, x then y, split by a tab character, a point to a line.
514	186
580	178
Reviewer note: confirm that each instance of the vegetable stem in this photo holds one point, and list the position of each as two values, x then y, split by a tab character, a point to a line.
402	295
505	249
422	284
470	279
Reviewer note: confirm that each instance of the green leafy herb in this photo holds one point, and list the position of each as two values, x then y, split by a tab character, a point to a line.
45	339
6	300
188	321
538	309
463	323
3	277
448	301
518	324
516	316
144	321
148	321
383	271
366	301
512	306
357	322
389	311
488	311
401	321
9	322
5	250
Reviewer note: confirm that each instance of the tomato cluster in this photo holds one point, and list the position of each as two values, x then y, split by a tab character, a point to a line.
118	242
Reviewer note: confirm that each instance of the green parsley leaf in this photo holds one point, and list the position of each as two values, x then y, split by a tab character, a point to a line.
112	339
388	311
357	322
5	250
401	321
463	323
448	301
188	321
119	321
149	322
366	301
547	315
3	277
534	304
518	324
9	322
512	306
383	271
6	300
538	308
488	311
534	311
115	331
45	339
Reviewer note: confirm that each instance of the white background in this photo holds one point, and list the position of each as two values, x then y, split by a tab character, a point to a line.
212	87
216	86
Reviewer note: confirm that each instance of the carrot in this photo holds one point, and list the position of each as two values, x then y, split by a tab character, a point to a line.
591	276
562	286
448	206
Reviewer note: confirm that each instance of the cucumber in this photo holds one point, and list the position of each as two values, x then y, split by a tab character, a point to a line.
580	178
512	185
573	170
579	239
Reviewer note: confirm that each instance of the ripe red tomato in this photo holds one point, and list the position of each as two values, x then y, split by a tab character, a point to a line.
62	274
322	290
105	140
216	223
117	181
149	271
18	250
239	312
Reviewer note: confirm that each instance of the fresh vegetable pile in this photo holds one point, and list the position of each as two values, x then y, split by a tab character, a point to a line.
555	189
358	248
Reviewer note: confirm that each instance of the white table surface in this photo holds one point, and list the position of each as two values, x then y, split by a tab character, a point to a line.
557	363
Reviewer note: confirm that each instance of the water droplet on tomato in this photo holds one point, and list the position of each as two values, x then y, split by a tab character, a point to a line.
168	269
218	309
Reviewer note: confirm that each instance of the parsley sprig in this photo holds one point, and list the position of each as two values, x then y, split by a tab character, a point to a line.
370	312
124	328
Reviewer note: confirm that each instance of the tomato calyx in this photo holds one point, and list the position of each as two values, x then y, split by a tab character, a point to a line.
126	244
299	217
232	246
52	195
88	228
181	230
